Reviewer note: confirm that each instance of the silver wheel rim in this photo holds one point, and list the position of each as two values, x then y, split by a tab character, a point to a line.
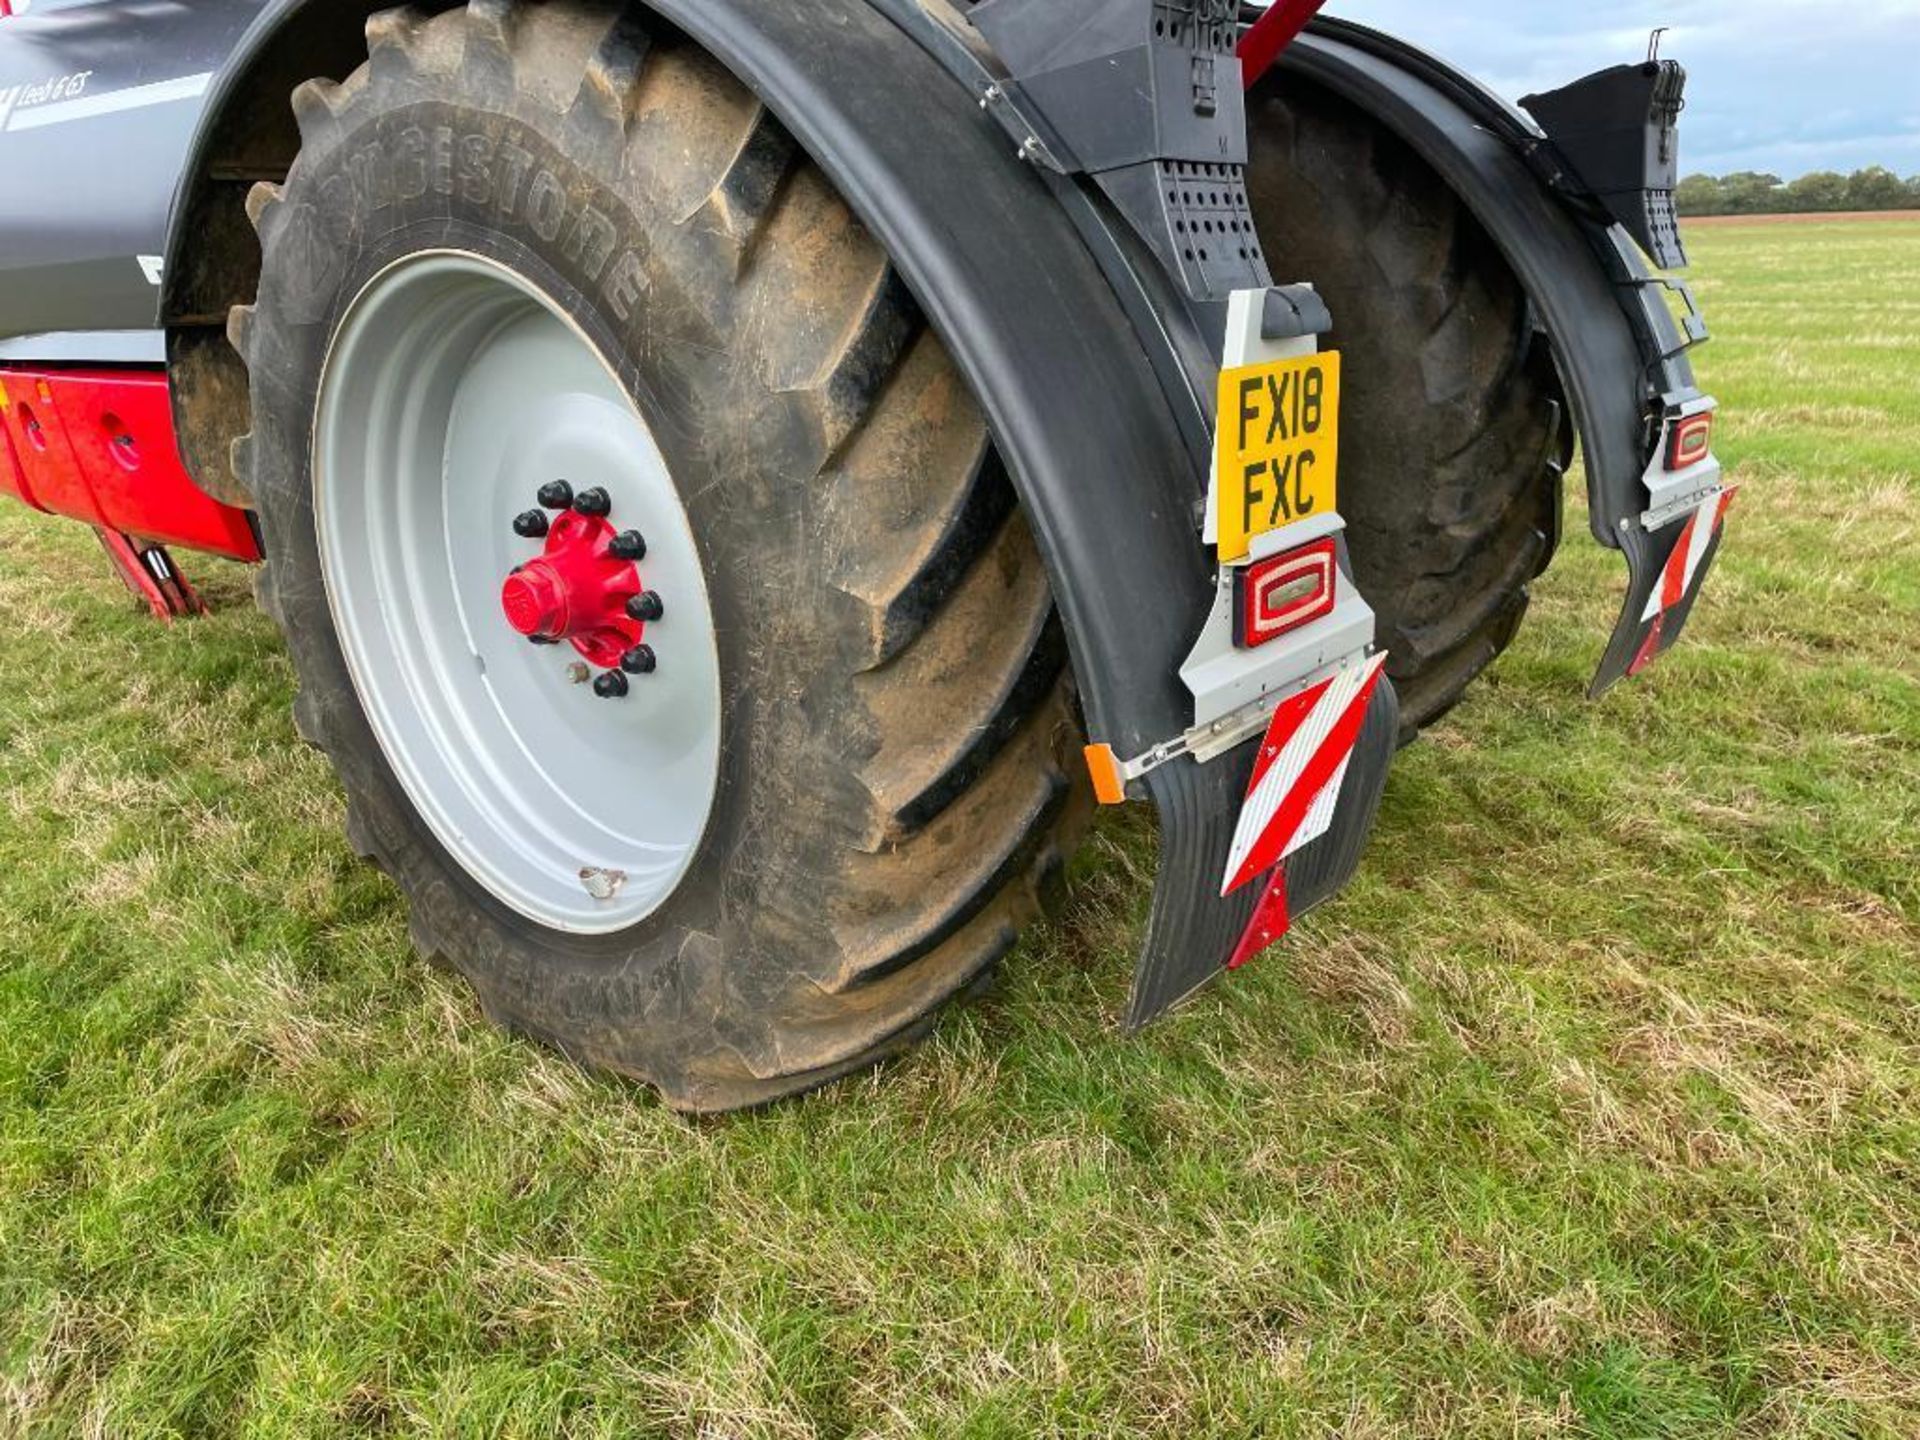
453	390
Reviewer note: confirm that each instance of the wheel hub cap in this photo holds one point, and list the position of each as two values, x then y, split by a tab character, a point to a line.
578	591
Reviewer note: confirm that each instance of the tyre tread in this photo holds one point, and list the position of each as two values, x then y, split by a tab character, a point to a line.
937	587
1445	556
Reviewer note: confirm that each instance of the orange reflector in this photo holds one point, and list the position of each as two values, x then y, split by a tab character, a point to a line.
1109	785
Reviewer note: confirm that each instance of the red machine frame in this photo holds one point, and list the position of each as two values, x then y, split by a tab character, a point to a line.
98	446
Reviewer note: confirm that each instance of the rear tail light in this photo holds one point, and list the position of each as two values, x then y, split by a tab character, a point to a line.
1690	442
1273	597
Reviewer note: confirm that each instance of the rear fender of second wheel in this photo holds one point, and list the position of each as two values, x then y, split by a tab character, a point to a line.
1621	356
1110	481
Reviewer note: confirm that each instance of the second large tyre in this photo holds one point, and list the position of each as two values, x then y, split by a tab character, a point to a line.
1453	437
895	708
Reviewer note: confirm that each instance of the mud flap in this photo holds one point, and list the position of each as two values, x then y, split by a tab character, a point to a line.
1667	570
1621	353
1194	932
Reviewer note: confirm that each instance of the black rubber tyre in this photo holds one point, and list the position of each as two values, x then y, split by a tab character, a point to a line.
1453	437
894	791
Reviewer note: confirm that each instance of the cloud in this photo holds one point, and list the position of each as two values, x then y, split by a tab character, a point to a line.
1778	85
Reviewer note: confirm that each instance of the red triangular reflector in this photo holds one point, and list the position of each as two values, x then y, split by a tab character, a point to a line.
1270	921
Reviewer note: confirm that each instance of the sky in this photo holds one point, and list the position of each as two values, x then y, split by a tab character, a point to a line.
1785	86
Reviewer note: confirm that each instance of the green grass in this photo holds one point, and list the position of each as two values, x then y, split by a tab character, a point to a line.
1590	1109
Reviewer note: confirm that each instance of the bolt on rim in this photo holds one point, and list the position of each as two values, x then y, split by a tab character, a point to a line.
549	701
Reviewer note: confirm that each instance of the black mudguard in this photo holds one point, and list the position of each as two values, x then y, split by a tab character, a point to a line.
1073	379
1622	358
1074	403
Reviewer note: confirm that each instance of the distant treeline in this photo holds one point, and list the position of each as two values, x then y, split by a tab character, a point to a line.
1749	193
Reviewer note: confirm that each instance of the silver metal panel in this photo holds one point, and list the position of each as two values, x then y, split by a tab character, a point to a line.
1671	493
87	347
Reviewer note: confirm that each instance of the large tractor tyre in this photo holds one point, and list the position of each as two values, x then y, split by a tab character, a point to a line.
1453	437
727	774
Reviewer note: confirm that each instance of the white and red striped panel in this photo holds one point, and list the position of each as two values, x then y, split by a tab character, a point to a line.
1681	575
1683	566
1296	781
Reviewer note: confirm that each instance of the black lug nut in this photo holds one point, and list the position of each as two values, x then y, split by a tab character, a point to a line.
640	661
593	503
531	526
628	545
556	495
646	608
611	686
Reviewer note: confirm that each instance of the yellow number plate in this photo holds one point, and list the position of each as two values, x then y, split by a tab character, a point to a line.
1279	447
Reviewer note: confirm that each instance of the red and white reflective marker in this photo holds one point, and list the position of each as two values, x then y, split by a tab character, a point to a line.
1682	573
1296	781
1683	566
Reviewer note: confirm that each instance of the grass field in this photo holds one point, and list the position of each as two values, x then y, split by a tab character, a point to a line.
1593	1108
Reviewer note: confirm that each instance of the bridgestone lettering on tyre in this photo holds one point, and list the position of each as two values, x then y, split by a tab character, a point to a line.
835	789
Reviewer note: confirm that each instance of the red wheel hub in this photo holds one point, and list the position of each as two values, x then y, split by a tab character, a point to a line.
577	591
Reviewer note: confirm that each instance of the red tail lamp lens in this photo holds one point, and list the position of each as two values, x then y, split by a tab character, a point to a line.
1691	441
1273	597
